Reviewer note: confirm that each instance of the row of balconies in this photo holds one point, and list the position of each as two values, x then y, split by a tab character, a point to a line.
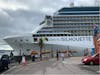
76	17
57	22
72	33
71	25
63	26
66	26
61	20
74	24
69	28
66	30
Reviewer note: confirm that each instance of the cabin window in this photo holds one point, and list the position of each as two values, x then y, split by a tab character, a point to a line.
62	35
47	34
26	40
21	40
28	49
54	34
50	34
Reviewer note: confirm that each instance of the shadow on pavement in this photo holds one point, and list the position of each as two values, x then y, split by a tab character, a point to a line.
92	68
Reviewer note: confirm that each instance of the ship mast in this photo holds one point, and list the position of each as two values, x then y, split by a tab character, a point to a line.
97	2
71	3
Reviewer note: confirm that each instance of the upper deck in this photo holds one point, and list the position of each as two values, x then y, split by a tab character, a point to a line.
75	20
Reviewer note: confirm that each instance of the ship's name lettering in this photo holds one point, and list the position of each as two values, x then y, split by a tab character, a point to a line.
71	39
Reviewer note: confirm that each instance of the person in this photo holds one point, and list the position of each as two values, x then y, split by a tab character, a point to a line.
33	57
11	56
57	55
62	56
23	59
36	57
19	59
70	54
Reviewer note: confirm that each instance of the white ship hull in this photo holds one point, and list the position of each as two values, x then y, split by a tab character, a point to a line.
74	43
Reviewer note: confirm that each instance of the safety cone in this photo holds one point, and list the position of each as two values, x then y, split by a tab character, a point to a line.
24	60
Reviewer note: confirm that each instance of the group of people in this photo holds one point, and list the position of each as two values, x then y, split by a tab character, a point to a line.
21	58
33	57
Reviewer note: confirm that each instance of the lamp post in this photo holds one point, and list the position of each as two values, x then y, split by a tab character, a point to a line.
20	50
67	50
52	52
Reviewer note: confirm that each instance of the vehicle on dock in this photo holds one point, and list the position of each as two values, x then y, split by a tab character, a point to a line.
92	60
4	62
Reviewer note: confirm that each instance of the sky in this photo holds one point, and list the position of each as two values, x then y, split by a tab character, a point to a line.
23	16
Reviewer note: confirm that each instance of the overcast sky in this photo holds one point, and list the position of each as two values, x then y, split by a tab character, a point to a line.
22	16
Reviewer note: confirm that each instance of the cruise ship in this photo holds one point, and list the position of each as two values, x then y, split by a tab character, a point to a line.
70	28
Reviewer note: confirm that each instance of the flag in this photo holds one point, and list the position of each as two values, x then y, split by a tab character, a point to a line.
92	51
95	27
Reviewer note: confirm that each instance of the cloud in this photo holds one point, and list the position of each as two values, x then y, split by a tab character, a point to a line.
19	21
22	16
7	4
5	18
84	2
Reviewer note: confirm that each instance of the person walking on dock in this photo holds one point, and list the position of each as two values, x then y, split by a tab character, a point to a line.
57	55
62	56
